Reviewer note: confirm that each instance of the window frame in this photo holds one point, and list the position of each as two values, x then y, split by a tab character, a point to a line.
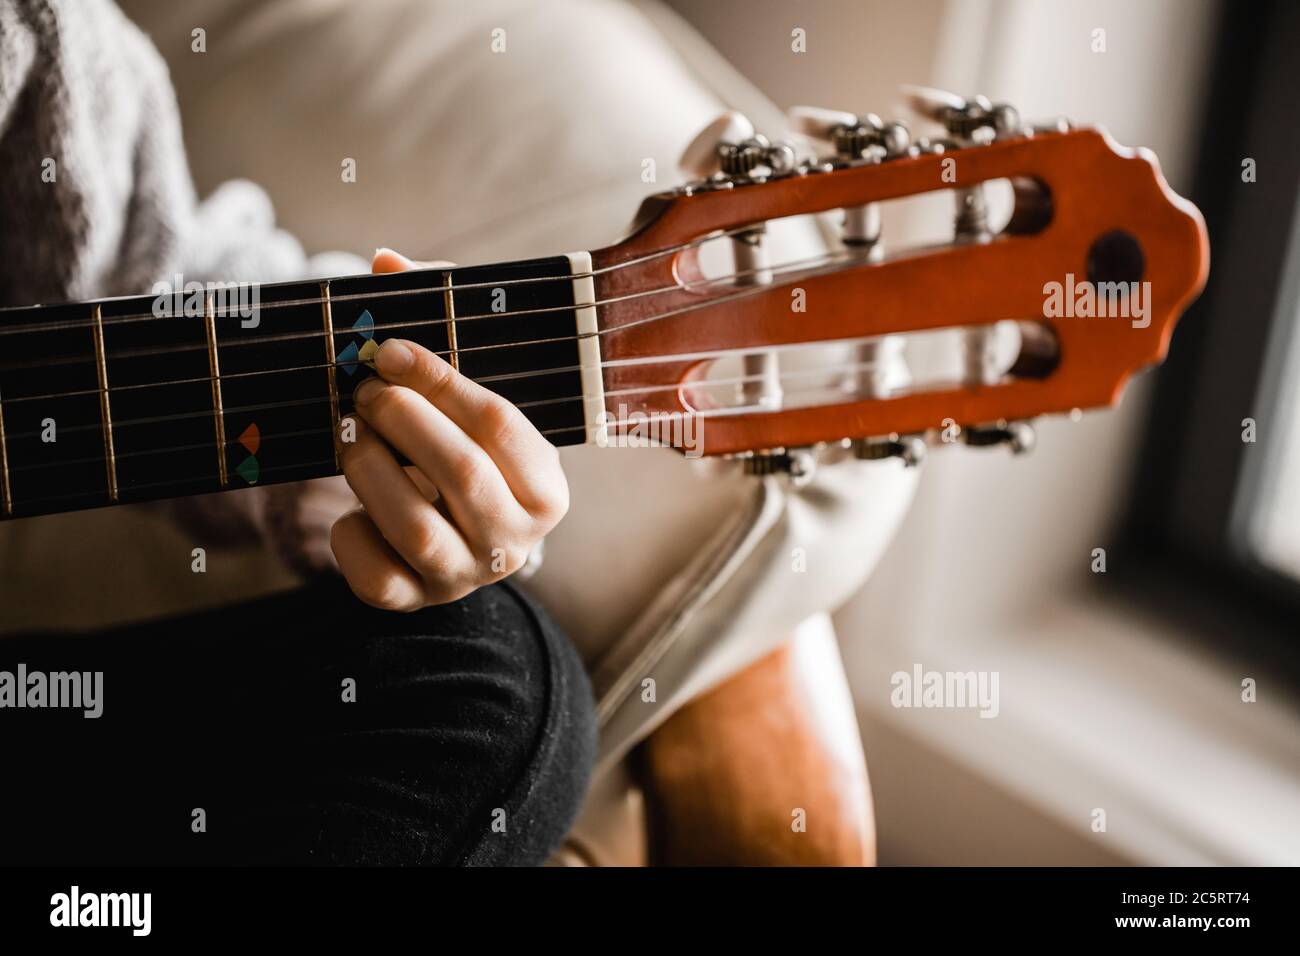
1183	527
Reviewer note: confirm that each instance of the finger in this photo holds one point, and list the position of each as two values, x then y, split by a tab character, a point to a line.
526	460
424	484
388	260
375	572
467	479
425	539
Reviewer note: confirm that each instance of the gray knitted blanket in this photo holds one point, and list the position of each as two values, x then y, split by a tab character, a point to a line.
96	196
97	200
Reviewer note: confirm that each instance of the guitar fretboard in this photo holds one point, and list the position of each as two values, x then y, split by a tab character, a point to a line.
140	398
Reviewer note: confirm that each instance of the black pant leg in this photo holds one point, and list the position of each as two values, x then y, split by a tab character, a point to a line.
308	728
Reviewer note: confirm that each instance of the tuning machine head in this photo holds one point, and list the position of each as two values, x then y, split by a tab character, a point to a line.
797	464
977	120
729	150
851	136
1020	437
755	158
909	449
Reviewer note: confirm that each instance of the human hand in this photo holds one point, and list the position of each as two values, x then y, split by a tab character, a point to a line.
483	488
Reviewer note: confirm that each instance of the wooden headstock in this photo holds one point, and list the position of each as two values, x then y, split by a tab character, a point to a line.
1085	207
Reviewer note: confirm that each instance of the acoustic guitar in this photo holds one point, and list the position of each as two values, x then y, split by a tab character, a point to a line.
200	388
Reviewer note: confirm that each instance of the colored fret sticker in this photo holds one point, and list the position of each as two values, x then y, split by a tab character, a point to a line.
352	356
251	439
405	304
367	353
249	469
275	388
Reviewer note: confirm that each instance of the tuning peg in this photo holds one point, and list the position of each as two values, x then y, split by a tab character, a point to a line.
932	103
701	158
910	449
850	135
730	147
977	119
799	464
1060	124
854	138
1018	436
968	122
1006	121
819	123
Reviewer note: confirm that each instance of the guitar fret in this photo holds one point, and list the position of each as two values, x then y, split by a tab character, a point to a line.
214	368
110	462
327	315
537	321
449	307
164	403
6	492
404	304
277	349
53	421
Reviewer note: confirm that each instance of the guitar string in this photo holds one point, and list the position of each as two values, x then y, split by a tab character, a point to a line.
208	476
744	293
163	350
64	496
329	462
837	369
318	300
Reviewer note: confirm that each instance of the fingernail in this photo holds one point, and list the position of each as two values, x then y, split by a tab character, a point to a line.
367	390
394	357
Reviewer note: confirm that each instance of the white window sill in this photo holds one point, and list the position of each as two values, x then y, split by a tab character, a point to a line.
1103	707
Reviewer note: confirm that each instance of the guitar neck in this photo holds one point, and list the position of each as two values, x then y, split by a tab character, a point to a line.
207	389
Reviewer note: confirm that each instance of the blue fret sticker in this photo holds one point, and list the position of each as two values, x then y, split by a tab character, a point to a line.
348	359
351	356
365	325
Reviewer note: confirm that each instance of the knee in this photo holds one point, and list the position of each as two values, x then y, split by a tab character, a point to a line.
545	731
501	689
470	739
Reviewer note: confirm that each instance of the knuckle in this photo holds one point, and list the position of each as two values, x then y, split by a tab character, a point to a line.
394	402
338	537
505	561
357	457
382	590
448	592
551	503
469	470
422	544
437	374
501	421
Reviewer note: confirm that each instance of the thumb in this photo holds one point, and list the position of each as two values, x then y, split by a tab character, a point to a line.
387	260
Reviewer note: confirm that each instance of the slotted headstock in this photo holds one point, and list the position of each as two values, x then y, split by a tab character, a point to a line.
1087	211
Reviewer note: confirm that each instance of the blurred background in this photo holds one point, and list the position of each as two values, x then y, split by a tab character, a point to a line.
1120	691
